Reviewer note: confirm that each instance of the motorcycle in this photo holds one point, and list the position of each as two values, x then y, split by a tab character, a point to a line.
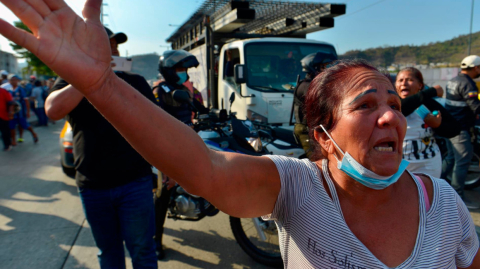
280	141
224	132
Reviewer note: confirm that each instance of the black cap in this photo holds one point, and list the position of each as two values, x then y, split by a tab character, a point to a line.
119	37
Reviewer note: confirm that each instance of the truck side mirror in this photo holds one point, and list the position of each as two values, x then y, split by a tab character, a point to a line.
239	74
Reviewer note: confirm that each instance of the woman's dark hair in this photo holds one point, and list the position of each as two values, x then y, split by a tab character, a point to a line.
37	83
415	72
325	95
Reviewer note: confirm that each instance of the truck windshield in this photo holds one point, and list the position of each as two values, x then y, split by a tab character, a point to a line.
274	66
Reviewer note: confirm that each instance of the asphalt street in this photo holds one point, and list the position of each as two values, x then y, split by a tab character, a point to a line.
42	224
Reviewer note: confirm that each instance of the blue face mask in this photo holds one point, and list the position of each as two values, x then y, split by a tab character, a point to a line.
183	77
361	174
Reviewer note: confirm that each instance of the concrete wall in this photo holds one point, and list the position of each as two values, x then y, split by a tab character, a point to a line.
440	76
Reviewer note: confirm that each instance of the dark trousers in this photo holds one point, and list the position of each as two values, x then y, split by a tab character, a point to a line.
124	213
161	207
5	131
42	116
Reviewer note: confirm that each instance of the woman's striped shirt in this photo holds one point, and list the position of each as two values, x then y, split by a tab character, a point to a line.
314	234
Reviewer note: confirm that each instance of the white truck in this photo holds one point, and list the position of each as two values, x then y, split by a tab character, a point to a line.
253	49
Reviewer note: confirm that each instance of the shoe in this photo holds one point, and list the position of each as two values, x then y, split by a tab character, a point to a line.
20	140
8	149
471	204
160	253
35	139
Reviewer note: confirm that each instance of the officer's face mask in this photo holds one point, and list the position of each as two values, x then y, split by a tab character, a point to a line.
183	77
361	174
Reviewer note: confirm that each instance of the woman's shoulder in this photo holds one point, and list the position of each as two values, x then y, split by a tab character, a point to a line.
441	194
298	168
292	162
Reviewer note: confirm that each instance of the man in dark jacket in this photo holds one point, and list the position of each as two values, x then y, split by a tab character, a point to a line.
312	64
463	104
114	181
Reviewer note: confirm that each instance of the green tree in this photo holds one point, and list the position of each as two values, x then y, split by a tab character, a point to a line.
34	64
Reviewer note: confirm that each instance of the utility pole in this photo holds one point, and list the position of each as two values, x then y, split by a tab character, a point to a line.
470	37
102	14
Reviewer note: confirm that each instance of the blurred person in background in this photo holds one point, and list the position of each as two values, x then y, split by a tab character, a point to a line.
462	102
419	146
6	113
20	118
3	77
47	89
29	85
38	99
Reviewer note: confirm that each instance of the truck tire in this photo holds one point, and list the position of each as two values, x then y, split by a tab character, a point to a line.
270	257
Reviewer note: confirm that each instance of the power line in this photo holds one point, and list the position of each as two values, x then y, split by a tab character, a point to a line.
362	9
110	18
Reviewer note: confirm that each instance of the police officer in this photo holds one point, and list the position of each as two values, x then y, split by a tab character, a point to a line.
173	67
463	104
312	64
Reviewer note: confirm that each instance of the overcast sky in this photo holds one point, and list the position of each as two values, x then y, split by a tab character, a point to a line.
367	23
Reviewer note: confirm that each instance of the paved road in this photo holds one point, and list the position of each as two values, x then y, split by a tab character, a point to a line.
42	224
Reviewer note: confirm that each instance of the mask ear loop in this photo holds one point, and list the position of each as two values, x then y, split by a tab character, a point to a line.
334	155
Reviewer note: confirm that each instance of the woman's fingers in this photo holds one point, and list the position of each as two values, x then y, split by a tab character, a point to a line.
92	9
25	12
55	4
40	6
18	36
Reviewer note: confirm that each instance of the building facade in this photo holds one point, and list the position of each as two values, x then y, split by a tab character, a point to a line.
8	62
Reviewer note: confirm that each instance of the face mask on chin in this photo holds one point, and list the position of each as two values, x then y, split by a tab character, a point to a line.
363	175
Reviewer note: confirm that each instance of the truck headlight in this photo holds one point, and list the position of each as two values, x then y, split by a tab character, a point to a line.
254	116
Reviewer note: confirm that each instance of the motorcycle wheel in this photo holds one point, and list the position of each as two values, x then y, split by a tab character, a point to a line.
473	178
264	252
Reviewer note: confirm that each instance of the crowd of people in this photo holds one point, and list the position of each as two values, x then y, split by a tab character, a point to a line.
370	190
26	96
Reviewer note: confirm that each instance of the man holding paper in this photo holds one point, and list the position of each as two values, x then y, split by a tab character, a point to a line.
114	181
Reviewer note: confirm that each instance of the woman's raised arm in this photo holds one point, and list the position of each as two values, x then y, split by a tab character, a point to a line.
78	50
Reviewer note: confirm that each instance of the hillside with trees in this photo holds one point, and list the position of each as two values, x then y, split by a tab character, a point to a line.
449	52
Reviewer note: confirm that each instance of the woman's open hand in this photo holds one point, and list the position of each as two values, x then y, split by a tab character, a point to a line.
78	50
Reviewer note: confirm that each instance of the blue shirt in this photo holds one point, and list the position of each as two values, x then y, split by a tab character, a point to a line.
28	89
19	95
